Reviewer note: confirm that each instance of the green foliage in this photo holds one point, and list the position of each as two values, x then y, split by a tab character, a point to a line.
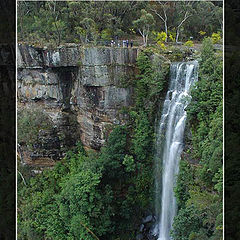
128	170
81	204
205	110
172	37
144	25
189	43
145	72
162	45
143	136
87	194
66	202
201	235
212	148
106	34
54	23
184	181
129	163
200	186
160	37
206	203
216	37
30	122
150	81
113	154
202	33
142	148
57	22
186	222
126	80
206	17
218	179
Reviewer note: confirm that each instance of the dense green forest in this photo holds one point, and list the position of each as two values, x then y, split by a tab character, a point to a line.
58	22
105	194
200	186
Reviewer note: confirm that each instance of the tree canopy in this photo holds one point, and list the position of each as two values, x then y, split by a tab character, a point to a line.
58	22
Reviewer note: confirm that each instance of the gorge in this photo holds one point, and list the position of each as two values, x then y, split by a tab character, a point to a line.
97	165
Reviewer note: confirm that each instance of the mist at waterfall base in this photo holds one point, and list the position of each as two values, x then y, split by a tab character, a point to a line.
169	144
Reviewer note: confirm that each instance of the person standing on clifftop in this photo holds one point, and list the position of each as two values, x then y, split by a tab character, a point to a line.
131	43
127	43
116	40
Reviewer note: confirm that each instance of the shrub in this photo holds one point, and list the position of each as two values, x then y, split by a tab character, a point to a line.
129	164
30	122
186	222
160	36
150	83
163	47
106	34
189	43
202	33
216	37
172	38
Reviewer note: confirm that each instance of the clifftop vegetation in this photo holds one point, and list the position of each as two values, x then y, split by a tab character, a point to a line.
58	22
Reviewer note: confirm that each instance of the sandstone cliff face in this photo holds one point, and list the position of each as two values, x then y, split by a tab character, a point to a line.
79	88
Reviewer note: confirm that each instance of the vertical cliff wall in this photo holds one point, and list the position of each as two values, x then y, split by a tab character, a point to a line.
79	88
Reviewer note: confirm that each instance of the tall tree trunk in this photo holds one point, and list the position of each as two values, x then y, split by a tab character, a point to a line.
177	34
144	41
186	16
143	36
166	31
163	18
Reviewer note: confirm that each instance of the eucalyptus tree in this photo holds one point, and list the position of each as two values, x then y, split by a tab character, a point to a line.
161	9
58	25
144	25
89	27
184	10
206	17
173	14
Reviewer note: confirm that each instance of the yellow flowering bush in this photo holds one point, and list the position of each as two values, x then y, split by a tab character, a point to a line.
202	33
160	36
216	37
172	38
162	45
189	43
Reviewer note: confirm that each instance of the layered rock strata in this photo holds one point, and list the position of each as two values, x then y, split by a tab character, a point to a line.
79	88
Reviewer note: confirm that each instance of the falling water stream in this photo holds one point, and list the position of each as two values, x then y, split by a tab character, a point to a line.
169	144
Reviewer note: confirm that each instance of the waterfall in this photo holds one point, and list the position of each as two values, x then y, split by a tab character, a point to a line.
169	144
